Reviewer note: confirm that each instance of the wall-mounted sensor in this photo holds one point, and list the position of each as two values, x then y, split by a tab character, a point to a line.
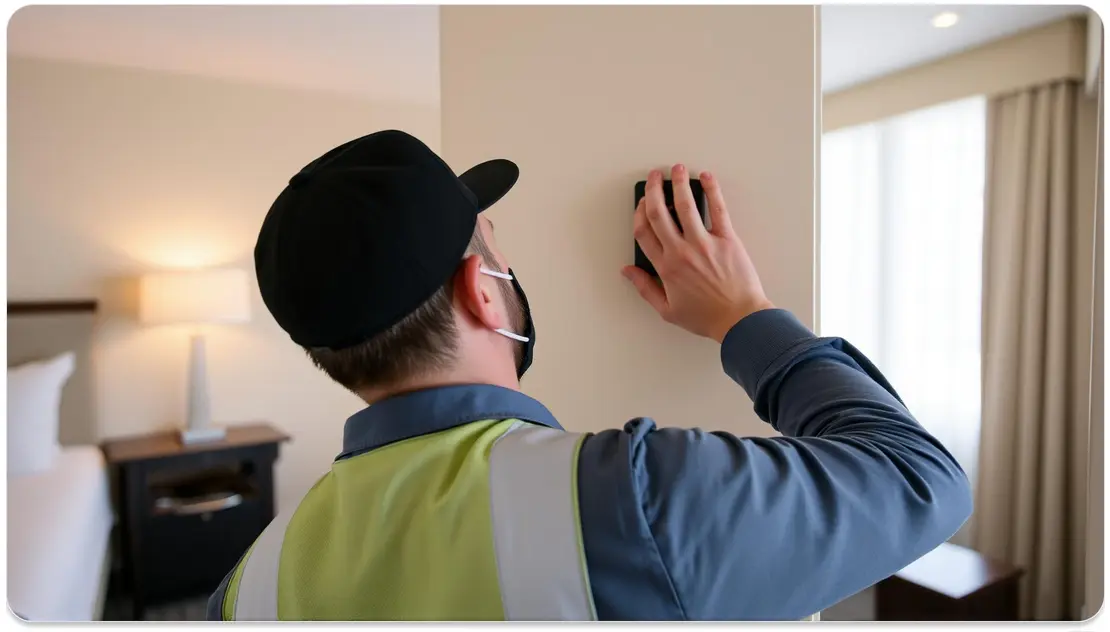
641	259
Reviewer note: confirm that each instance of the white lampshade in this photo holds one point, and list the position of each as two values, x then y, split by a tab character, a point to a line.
194	297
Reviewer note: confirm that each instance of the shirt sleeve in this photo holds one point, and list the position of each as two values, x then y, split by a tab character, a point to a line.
215	609
217	602
688	524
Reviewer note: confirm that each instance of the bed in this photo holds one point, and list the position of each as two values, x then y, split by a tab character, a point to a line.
59	519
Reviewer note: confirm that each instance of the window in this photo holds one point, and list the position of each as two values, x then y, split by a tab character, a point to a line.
901	259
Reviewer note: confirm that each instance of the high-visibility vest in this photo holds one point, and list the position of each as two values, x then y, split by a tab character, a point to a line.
477	522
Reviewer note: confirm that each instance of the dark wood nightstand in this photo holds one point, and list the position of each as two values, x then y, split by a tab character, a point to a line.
950	583
188	512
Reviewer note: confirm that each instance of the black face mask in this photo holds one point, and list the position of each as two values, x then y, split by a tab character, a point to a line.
529	329
527	336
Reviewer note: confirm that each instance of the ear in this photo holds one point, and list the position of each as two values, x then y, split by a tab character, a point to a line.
476	293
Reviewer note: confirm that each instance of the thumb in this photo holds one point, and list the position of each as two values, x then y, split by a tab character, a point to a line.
651	291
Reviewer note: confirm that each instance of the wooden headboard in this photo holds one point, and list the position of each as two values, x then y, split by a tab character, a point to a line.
38	330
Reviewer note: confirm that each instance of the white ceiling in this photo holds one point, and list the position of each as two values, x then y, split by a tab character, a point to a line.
392	52
863	42
378	52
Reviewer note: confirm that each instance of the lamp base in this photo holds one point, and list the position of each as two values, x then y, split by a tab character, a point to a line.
202	435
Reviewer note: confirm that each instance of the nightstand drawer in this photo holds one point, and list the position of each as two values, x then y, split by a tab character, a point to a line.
189	512
191	553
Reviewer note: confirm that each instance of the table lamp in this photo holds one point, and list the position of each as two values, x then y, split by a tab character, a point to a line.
196	298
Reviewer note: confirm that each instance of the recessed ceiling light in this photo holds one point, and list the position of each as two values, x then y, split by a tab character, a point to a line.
945	20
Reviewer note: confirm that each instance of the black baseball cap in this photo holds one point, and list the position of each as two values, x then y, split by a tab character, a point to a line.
366	233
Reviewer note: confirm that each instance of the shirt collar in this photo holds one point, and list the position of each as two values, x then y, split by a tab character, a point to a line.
431	410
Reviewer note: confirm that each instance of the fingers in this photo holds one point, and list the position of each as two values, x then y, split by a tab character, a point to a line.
687	209
719	220
649	290
658	215
644	235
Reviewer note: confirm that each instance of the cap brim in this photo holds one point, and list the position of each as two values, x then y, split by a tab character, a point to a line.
490	181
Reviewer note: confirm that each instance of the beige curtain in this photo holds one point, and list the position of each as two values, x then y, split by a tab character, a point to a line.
1094	577
1038	266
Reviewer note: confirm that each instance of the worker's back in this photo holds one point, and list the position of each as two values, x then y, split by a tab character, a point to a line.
412	530
470	501
379	536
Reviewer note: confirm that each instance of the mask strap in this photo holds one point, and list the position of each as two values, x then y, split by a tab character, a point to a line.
509	334
500	275
507	277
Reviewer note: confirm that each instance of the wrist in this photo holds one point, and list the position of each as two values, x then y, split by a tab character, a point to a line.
739	314
754	344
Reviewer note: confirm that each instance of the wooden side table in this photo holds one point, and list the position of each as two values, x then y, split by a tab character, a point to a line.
950	583
188	512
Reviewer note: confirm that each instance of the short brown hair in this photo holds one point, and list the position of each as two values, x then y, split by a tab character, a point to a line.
424	341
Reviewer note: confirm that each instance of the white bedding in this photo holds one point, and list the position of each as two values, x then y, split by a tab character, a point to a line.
58	527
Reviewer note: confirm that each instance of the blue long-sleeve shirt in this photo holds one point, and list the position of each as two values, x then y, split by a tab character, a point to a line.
687	524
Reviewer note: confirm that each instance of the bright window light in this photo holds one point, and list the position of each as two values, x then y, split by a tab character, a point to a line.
901	258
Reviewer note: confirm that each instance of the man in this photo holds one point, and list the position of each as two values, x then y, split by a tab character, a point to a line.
458	497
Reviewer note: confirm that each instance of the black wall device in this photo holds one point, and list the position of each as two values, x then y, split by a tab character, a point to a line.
641	260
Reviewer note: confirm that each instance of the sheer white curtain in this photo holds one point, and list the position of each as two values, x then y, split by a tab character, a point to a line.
901	258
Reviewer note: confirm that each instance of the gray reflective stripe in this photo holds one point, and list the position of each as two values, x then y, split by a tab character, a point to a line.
258	586
540	564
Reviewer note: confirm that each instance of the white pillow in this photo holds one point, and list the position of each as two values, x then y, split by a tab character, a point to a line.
34	403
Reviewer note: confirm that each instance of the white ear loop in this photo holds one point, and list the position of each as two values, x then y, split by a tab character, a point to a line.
507	277
500	275
509	334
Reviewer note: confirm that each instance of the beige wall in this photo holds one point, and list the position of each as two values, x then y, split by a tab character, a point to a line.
586	100
114	172
1033	57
